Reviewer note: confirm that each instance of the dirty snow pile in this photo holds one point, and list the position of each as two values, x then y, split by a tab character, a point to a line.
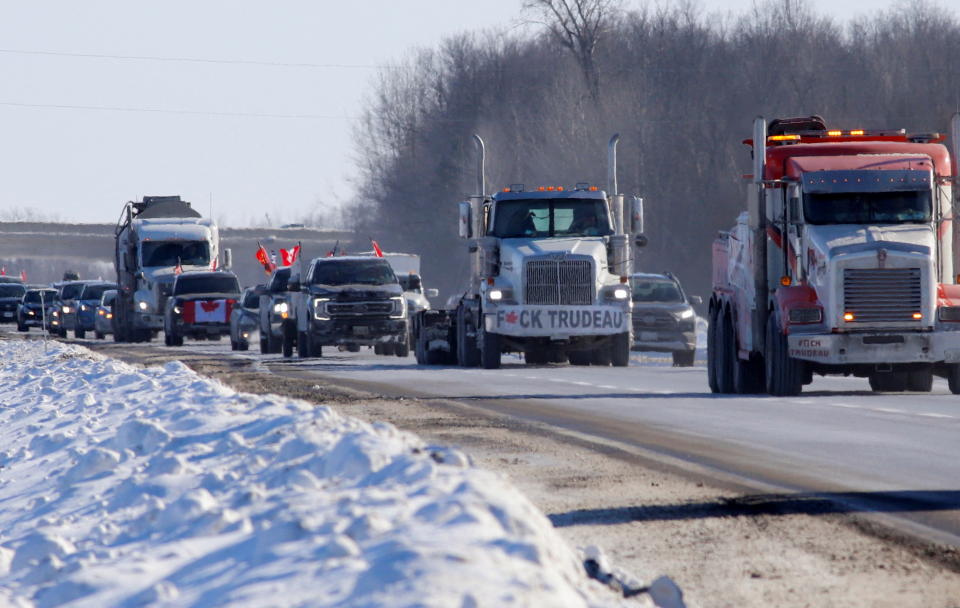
122	486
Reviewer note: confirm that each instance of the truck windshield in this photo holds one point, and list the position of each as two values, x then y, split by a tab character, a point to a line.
170	253
33	297
11	290
95	292
224	283
349	272
912	207
71	291
655	290
560	217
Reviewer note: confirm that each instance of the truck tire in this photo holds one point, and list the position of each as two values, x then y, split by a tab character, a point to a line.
784	374
289	333
536	356
920	380
889	382
99	335
712	351
243	345
79	334
420	349
684	358
468	355
21	326
490	350
601	356
175	339
953	378
579	357
263	345
620	350
724	365
401	349
303	345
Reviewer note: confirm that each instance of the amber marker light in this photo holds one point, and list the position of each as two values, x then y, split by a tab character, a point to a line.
834	133
848	316
856	132
785	281
918	315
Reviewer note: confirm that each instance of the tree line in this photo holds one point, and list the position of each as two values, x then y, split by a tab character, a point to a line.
682	87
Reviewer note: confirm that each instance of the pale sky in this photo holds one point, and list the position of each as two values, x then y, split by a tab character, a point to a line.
266	127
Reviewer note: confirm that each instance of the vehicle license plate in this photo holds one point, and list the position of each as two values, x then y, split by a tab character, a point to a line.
648	336
361	330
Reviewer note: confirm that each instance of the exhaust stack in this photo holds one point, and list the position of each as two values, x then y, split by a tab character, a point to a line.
612	165
481	176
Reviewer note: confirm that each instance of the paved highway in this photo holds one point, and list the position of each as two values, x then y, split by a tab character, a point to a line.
837	444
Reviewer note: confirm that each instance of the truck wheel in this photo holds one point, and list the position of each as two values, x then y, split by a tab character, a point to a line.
243	345
79	334
490	350
468	355
378	349
712	351
784	374
175	339
620	350
21	326
233	344
920	381
953	378
288	339
684	358
724	365
889	382
579	357
401	349
600	356
535	356
303	345
99	335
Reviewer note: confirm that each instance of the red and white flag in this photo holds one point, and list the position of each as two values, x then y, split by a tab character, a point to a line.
289	256
3	271
264	258
178	269
214	263
376	248
23	276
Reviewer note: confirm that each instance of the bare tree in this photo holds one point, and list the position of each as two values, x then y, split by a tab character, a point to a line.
578	26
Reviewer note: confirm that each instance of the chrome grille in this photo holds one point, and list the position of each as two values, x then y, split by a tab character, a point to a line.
646	321
559	281
882	295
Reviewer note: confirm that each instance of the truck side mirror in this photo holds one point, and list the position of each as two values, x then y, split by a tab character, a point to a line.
433	292
415	282
640	240
293	284
465	223
696	300
227	259
636	216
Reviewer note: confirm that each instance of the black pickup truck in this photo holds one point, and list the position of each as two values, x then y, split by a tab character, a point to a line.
346	301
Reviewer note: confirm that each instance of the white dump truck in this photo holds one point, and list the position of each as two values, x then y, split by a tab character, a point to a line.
156	239
549	277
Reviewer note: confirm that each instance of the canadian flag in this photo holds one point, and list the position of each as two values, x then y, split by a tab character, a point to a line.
264	258
207	311
376	248
178	269
289	256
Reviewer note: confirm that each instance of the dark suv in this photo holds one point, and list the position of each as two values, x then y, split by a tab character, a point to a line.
663	317
200	306
10	295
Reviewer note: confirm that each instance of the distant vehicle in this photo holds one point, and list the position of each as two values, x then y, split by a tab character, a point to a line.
200	306
245	318
663	317
87	304
274	309
71	275
64	314
35	308
289	226
6	279
10	296
103	323
156	239
348	301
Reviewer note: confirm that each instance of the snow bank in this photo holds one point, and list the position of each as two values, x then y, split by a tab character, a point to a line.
129	487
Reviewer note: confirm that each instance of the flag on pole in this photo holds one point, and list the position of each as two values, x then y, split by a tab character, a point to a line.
178	269
23	276
264	258
333	251
289	256
376	248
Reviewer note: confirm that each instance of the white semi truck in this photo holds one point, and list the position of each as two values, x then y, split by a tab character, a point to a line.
157	238
549	277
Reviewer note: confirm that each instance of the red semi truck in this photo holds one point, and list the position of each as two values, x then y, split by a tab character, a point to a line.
843	263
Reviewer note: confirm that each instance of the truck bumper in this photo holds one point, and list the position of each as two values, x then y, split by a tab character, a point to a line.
666	342
876	347
357	330
556	322
147	321
203	329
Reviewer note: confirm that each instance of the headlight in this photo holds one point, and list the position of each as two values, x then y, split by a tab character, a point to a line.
320	309
495	295
688	313
109	315
101	313
31	313
143	306
83	308
399	308
620	293
66	310
281	307
806	315
55	313
177	310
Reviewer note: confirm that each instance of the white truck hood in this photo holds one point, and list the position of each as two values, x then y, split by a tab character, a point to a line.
839	239
517	249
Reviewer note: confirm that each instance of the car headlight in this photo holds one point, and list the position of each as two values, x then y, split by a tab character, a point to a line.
495	295
55	313
687	314
66	310
621	293
143	306
399	308
31	313
101	313
320	309
281	307
177	310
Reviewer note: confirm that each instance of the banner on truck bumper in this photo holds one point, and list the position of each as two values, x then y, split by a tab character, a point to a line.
557	320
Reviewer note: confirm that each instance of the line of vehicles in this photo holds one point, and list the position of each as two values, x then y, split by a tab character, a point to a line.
843	263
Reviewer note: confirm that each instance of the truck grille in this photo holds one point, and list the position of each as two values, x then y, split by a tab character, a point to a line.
359	308
644	321
882	295
564	281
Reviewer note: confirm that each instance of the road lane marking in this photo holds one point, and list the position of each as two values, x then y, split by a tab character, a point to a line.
935	415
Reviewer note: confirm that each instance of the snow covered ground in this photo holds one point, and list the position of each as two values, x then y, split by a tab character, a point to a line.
122	486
